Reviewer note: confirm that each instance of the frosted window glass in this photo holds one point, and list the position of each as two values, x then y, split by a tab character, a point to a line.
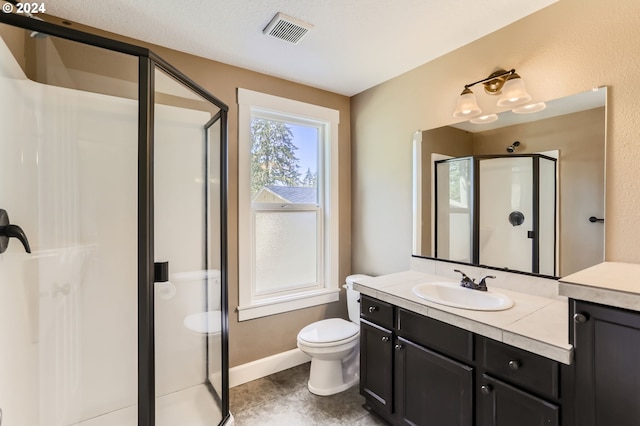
286	250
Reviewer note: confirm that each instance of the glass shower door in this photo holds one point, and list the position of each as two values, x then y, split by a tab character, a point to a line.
506	212
187	223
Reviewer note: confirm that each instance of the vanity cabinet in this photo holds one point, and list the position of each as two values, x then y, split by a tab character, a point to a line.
431	389
376	367
420	371
517	387
500	404
607	352
433	378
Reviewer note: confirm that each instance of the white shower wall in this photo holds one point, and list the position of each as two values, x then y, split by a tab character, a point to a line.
68	311
18	299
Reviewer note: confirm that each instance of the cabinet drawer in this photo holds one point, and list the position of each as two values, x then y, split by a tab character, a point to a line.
376	311
500	404
522	368
437	335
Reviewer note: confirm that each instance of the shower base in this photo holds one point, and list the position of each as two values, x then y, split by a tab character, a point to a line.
189	407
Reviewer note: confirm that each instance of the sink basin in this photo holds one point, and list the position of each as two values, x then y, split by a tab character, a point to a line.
452	294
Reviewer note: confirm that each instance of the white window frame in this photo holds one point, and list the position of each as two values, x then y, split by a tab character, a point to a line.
252	305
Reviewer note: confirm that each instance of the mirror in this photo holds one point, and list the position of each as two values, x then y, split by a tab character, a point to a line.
517	190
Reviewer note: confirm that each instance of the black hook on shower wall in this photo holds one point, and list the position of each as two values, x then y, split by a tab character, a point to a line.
11	231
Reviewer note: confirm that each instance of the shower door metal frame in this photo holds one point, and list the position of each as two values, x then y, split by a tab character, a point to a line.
148	62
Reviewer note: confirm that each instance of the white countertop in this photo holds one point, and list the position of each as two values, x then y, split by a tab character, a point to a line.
536	324
609	283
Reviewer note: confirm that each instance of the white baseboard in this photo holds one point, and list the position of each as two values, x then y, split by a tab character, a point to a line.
263	367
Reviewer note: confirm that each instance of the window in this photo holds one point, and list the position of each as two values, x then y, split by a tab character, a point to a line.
288	210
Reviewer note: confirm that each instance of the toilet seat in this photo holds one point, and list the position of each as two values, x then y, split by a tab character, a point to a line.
329	332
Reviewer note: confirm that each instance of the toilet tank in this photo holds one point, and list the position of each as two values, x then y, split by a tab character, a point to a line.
353	297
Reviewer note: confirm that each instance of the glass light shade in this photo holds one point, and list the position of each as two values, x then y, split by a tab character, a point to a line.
484	119
513	92
467	105
530	108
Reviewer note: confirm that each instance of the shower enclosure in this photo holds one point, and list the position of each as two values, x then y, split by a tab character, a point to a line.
497	210
113	264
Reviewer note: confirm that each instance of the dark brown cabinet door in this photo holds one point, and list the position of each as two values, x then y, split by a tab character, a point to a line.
376	367
500	404
432	390
607	353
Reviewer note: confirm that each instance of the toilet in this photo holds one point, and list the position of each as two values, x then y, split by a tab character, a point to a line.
334	347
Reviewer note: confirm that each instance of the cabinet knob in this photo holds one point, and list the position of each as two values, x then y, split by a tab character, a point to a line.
385	338
514	365
580	318
372	309
399	347
486	389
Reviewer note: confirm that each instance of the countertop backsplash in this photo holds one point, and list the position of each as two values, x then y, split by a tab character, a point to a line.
537	286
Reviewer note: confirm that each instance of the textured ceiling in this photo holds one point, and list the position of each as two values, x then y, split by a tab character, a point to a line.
355	45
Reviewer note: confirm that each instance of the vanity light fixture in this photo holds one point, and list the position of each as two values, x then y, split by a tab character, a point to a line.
529	108
483	119
508	84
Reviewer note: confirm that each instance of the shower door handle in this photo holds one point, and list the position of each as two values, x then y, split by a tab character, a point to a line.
11	231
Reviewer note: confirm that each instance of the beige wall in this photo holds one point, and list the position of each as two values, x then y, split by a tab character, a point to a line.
255	339
566	48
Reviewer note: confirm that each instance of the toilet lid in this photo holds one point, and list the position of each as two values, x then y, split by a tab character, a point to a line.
329	330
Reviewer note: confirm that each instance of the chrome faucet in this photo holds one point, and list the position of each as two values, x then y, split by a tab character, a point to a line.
471	283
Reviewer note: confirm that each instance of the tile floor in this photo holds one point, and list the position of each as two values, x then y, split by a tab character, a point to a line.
283	399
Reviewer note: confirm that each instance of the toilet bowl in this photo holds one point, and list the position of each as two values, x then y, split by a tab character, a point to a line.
334	347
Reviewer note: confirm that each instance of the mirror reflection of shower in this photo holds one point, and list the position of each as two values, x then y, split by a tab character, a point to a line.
475	194
512	148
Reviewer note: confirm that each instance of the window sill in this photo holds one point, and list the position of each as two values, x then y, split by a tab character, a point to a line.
274	306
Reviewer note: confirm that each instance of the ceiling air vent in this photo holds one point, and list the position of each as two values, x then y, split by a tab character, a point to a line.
287	28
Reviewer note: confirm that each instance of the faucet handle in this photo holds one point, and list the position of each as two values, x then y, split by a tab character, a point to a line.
466	281
464	276
482	285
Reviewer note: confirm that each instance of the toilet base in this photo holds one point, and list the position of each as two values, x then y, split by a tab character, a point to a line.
328	377
332	391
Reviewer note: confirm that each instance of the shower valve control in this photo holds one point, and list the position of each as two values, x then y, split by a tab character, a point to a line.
11	231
